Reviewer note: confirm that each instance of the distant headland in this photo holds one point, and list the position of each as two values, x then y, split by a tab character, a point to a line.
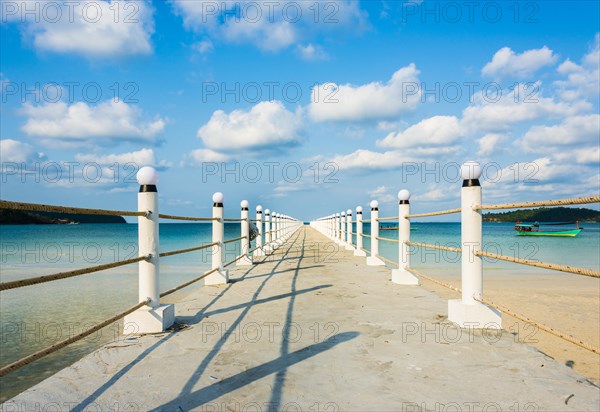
545	214
22	217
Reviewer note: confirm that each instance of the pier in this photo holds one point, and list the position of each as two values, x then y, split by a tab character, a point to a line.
302	330
308	319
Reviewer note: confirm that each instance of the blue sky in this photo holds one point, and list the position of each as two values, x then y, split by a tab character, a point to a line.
304	107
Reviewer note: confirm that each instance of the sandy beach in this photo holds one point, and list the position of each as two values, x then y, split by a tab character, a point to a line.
566	302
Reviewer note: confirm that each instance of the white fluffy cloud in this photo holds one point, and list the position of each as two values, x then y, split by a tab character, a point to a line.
393	159
437	130
199	156
376	100
266	127
490	143
583	80
576	130
268	25
522	104
89	28
507	63
17	151
80	123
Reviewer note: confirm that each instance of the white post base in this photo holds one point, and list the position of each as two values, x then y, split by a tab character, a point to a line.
148	320
475	316
258	253
360	252
374	261
220	277
403	277
349	246
245	261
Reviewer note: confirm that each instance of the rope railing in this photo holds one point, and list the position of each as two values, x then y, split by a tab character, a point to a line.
433	280
191	249
560	202
546	328
391	262
441	212
192	219
11	367
234	240
5	204
388	218
188	283
471	233
552	266
432	246
387	239
65	275
148	235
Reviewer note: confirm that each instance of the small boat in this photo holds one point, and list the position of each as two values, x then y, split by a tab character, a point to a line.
533	229
389	226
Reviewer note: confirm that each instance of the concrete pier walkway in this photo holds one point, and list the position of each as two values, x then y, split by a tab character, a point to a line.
313	328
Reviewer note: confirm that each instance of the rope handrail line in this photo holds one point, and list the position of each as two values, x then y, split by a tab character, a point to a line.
5	204
362	234
552	266
365	250
186	284
234	240
388	218
571	201
429	278
231	262
233	220
40	354
64	275
387	239
365	220
193	219
387	260
441	212
430	246
546	328
191	249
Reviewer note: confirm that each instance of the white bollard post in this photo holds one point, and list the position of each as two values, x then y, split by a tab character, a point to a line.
467	312
275	231
401	275
221	276
373	260
359	231
246	260
259	224
155	317
268	233
349	230
342	223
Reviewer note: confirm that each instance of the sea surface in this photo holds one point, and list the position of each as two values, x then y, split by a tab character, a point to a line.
34	317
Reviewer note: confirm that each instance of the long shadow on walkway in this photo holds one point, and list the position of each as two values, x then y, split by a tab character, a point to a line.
92	397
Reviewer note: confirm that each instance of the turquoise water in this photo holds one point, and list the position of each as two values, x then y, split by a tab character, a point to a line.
34	317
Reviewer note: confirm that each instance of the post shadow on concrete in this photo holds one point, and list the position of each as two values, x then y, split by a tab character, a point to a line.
197	374
209	393
92	397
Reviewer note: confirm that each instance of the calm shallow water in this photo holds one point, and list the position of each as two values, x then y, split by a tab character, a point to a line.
35	317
